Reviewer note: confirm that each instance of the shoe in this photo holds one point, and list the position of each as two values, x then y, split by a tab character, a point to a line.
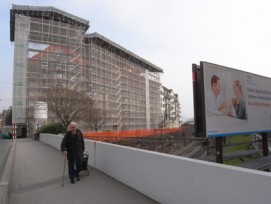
72	181
78	178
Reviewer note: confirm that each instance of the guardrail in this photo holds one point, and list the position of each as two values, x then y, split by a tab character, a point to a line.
173	179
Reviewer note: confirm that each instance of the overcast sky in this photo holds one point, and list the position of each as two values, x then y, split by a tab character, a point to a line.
171	34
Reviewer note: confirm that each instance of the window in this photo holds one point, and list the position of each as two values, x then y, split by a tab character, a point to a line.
44	64
71	66
58	76
58	66
44	76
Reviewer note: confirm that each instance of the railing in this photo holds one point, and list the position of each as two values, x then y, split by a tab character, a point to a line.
257	142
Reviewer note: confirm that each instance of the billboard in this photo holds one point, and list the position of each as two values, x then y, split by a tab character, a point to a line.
235	102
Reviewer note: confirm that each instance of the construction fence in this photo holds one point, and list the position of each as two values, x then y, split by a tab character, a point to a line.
124	134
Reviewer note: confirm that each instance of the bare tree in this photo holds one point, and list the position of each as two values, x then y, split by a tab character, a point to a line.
68	105
96	118
8	117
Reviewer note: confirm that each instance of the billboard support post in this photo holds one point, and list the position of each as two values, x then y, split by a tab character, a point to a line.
208	148
199	118
265	144
219	150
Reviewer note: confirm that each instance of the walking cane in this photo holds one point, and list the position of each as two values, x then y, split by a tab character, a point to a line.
64	171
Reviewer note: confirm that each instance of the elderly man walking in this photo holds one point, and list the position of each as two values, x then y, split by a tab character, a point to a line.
73	146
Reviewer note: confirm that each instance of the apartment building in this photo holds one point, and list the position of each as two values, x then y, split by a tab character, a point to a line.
170	108
52	48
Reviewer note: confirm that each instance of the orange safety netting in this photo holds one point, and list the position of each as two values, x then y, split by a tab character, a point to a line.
112	135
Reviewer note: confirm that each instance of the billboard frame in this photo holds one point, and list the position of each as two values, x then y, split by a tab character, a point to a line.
199	103
200	111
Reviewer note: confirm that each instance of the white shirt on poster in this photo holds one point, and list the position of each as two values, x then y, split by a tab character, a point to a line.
213	103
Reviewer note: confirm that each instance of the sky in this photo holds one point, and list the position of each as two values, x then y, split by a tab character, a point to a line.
171	34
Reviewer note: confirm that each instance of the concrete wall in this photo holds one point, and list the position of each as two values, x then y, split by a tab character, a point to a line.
52	140
173	179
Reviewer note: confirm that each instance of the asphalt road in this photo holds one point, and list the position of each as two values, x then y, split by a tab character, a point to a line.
5	145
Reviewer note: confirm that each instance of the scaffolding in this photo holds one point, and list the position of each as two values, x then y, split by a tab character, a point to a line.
48	52
51	48
124	85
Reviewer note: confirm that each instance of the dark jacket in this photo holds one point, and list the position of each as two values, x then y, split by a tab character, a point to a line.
74	145
241	109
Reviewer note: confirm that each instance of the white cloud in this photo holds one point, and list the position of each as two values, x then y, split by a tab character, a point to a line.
174	34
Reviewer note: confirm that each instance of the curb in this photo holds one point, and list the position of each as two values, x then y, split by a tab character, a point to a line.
5	177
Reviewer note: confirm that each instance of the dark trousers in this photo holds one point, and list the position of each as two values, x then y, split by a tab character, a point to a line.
74	172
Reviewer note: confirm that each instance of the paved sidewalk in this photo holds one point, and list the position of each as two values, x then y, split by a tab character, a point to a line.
36	177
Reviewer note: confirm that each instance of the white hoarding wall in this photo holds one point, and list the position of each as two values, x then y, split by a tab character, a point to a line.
40	110
238	103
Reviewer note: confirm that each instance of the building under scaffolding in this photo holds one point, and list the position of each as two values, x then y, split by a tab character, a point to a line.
51	48
124	84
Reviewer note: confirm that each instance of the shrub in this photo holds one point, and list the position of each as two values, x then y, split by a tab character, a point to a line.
52	128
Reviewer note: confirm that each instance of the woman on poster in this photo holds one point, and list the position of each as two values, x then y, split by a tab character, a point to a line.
238	102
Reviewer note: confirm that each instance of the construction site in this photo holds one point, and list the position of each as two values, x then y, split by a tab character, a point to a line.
52	49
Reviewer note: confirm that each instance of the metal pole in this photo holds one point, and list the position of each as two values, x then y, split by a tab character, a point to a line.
219	150
64	171
208	149
265	144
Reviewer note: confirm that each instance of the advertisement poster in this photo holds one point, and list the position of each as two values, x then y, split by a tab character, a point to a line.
236	102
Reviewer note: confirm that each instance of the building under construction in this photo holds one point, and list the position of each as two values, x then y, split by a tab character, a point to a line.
52	48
